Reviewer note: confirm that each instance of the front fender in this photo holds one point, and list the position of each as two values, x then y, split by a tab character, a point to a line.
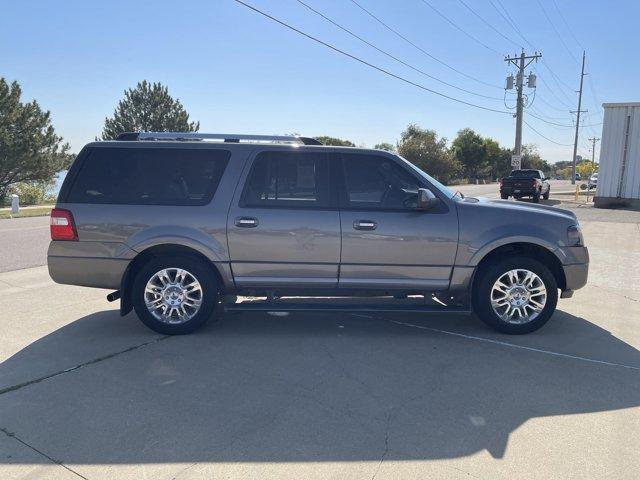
477	253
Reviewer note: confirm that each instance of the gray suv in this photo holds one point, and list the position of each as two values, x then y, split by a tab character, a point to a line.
181	224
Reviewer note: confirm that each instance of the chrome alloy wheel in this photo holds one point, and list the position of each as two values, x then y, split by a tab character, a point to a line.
518	296
173	295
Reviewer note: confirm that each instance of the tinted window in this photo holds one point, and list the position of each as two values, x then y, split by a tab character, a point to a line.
292	179
149	176
525	174
379	182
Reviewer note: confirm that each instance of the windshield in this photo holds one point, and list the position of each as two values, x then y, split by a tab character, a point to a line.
525	173
444	190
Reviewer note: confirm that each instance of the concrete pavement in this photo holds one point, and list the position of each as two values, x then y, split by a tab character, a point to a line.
87	394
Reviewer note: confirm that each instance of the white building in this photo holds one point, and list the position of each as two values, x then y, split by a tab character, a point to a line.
619	172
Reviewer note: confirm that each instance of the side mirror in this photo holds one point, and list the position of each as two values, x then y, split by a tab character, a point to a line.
426	199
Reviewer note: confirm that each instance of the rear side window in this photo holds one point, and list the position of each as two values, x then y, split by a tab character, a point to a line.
149	176
288	179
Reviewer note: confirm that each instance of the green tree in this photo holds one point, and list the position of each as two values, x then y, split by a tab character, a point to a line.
586	168
426	151
496	158
385	146
532	159
148	108
30	150
333	141
469	149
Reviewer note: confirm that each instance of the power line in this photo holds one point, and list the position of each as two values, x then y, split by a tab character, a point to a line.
510	21
366	42
420	49
489	24
566	24
549	122
554	93
364	62
504	13
545	137
544	11
457	27
551	106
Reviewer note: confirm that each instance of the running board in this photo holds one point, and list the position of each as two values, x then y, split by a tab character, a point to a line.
260	306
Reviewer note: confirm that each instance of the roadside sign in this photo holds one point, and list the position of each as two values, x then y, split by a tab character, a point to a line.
516	161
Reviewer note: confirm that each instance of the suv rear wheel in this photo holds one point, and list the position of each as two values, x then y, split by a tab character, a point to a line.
515	295
175	295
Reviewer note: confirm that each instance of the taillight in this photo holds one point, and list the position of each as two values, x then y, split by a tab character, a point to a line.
62	225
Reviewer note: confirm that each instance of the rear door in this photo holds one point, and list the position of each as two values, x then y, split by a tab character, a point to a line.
284	226
387	243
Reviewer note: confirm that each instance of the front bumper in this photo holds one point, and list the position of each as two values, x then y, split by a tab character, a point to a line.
576	275
575	264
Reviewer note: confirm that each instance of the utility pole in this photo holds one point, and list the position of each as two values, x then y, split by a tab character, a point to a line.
593	153
578	112
520	61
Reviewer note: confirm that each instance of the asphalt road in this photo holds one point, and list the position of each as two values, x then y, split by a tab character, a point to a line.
23	242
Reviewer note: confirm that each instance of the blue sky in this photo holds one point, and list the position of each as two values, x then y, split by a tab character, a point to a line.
236	71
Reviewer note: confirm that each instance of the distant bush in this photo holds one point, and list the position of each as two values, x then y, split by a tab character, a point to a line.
30	193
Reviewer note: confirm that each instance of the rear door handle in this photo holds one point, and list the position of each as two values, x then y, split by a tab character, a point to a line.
365	225
246	222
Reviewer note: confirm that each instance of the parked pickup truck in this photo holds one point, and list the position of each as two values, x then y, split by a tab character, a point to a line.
185	226
525	183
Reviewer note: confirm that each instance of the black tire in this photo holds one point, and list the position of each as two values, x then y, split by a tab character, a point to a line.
198	269
504	196
536	197
483	284
546	195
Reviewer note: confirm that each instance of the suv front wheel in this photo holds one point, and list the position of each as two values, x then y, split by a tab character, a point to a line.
515	295
175	295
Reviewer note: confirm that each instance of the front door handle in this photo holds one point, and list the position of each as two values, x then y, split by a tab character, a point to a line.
365	225
246	222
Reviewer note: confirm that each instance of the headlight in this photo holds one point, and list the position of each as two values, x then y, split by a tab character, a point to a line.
574	236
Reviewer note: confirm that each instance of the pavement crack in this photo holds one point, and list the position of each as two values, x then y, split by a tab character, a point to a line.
18	386
386	447
611	290
40	452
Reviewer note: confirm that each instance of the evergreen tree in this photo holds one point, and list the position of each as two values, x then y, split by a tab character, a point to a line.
30	150
148	108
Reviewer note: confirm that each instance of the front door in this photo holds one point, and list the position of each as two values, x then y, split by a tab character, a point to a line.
387	242
283	226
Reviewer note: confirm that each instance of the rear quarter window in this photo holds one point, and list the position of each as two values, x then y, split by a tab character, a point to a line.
148	176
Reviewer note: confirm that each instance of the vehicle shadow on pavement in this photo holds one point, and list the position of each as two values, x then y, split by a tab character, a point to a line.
311	387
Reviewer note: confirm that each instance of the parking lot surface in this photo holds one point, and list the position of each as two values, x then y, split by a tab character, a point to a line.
85	393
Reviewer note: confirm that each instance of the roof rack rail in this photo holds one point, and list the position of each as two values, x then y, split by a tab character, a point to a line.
225	137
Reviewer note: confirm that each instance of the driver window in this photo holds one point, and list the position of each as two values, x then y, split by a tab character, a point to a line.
378	182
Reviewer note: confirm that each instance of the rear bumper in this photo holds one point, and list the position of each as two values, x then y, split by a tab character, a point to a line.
87	272
526	191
